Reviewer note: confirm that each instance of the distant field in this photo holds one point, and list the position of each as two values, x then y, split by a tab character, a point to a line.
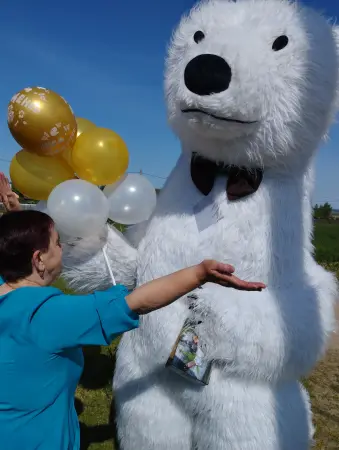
326	241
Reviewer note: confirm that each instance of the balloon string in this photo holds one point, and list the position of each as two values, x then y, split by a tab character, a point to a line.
109	266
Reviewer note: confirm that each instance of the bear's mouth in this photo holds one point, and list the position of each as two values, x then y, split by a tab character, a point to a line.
225	119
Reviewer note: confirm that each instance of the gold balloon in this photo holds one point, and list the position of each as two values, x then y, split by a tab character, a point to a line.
84	125
41	121
100	156
36	176
66	156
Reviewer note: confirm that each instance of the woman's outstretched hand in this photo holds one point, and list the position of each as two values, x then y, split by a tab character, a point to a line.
165	290
9	198
215	272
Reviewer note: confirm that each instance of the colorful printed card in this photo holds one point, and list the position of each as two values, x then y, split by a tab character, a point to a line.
187	359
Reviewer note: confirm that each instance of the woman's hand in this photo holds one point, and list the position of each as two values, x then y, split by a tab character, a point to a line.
211	271
9	199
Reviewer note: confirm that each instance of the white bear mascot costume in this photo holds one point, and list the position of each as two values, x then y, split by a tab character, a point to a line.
251	91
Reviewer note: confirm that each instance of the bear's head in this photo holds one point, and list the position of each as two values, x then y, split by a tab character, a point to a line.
252	82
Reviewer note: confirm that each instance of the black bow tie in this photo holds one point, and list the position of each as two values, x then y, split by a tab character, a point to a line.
240	181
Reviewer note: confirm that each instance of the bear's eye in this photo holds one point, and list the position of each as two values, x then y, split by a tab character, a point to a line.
280	43
198	36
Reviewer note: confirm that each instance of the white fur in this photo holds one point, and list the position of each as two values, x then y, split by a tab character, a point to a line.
85	268
262	343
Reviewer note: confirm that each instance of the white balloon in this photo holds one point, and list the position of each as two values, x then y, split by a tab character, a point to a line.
78	208
131	200
112	187
42	206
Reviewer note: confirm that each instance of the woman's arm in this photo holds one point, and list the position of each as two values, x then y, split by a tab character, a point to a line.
59	321
166	290
64	321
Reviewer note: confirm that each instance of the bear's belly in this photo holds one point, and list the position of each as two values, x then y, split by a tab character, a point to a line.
240	237
173	242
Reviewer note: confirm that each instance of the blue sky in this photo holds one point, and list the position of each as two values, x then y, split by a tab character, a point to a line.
106	58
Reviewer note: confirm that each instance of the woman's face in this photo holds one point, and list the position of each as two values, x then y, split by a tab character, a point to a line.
52	259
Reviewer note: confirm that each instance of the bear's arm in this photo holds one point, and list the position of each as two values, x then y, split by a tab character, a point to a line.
136	233
84	266
271	335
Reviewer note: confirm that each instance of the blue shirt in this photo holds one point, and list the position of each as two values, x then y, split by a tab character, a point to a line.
42	331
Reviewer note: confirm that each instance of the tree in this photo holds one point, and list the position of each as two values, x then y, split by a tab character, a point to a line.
323	211
327	210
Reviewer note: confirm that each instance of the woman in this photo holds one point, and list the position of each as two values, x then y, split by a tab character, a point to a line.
43	330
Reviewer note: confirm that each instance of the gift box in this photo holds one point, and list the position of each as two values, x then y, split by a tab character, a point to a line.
187	358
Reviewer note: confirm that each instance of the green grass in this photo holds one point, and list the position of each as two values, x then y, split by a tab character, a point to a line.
323	386
94	398
94	394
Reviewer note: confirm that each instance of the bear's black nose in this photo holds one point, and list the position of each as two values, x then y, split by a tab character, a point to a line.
207	74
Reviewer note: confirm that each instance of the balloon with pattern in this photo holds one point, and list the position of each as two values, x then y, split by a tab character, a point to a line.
41	121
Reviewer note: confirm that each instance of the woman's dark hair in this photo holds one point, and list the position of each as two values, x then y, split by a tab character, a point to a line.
21	234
